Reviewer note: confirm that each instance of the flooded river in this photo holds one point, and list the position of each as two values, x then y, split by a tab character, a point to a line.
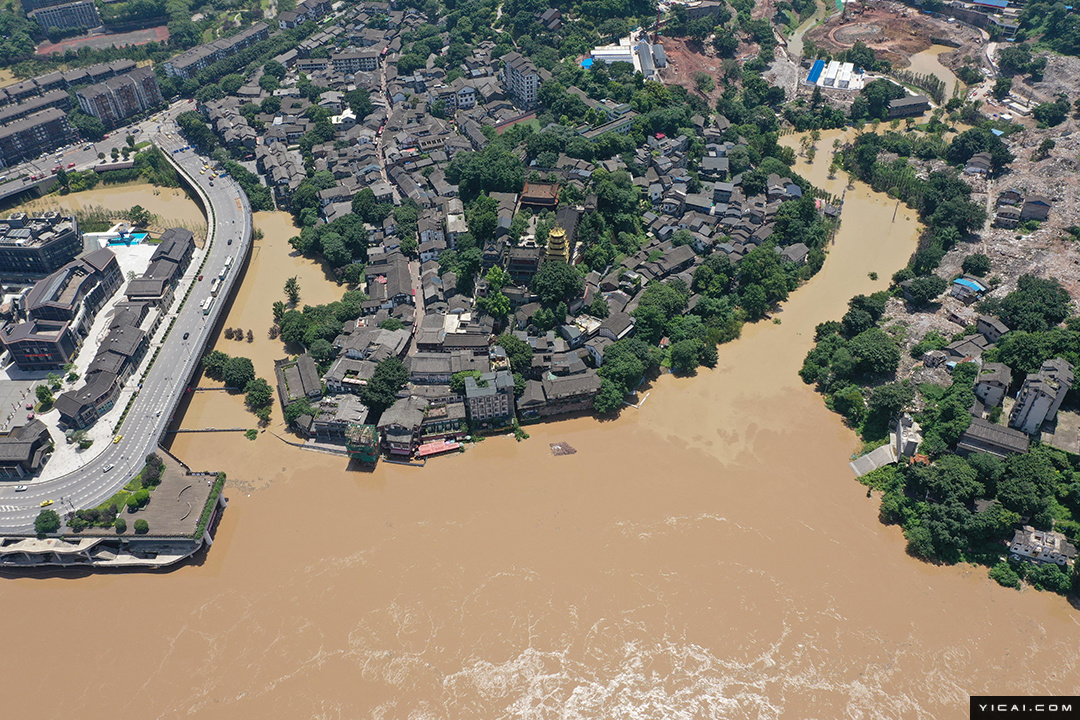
273	261
708	555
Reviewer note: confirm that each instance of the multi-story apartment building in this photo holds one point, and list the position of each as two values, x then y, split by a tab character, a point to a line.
33	135
520	78
353	61
49	99
37	245
1041	396
490	398
72	15
187	64
121	97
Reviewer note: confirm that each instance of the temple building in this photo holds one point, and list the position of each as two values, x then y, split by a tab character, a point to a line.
557	247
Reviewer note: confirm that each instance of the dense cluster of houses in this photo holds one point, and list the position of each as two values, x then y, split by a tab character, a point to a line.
402	151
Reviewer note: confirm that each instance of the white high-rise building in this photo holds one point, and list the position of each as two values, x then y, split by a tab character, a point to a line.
1041	396
520	78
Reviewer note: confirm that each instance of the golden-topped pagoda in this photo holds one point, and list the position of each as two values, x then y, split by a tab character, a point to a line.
557	248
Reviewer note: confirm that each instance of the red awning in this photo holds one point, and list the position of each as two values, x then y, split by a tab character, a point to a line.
434	448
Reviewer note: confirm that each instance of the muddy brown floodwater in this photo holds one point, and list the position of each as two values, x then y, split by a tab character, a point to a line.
708	555
171	205
928	62
273	261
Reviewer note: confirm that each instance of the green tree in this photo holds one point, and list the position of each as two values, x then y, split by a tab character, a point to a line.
1036	304
519	352
1028	484
686	354
877	353
849	402
46	522
610	398
88	126
238	372
139	216
924	290
44	394
598	308
214	363
976	264
258	393
275	69
497	278
753	301
496	305
557	281
381	391
292	290
1002	88
321	350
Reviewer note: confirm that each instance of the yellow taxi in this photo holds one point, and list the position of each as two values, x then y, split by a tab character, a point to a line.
117	439
46	503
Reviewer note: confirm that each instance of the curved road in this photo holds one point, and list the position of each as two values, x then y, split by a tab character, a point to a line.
229	217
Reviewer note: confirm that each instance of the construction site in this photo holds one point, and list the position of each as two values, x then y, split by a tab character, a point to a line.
894	32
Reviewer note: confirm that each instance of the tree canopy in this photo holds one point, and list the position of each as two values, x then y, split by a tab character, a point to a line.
381	390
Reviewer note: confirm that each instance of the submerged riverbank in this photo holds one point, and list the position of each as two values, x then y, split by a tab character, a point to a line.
171	206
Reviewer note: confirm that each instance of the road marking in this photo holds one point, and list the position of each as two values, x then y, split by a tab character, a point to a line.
9	508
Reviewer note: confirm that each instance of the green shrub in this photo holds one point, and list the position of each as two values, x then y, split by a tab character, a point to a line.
142	497
1004	575
120	525
141	527
132	503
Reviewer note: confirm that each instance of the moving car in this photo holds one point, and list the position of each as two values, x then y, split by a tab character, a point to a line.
46	503
21	488
117	439
107	468
186	335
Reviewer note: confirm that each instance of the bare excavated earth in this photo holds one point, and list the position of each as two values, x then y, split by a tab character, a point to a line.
1062	75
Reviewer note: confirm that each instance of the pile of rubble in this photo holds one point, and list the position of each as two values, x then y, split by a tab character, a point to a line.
1049	252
